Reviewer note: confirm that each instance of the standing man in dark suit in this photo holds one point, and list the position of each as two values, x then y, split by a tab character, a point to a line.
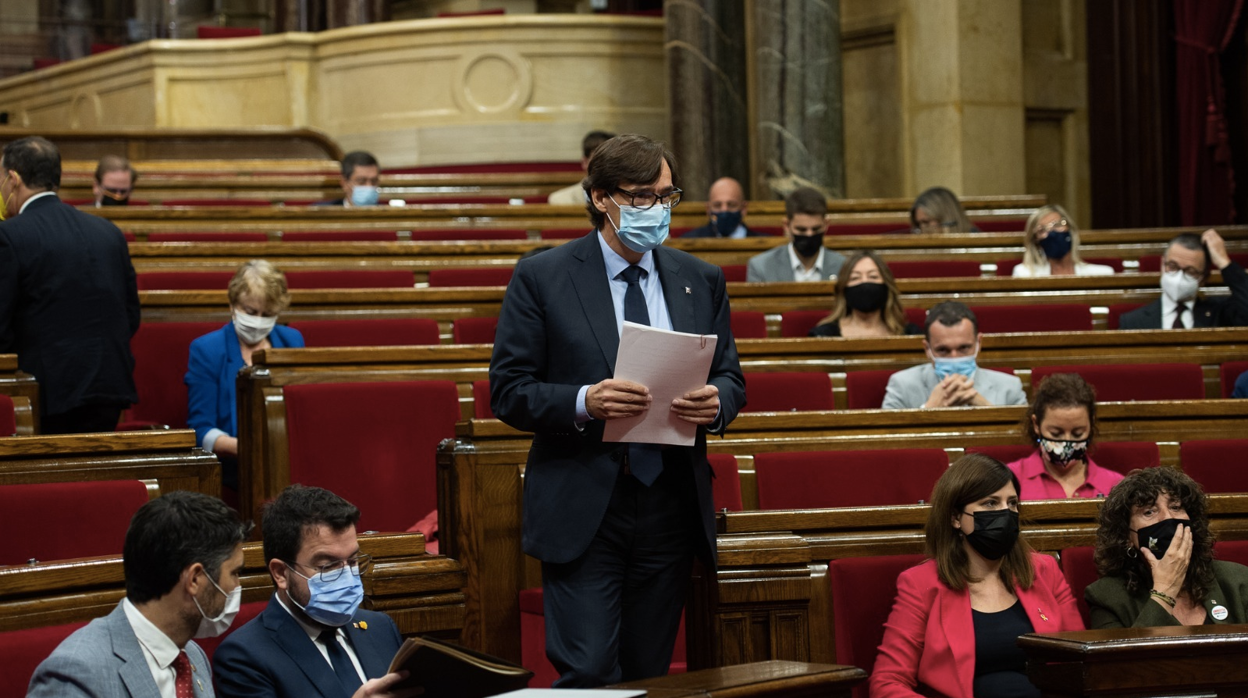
313	639
1185	267
69	303
726	206
615	525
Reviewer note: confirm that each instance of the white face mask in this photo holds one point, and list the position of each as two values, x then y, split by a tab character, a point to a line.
215	627
252	329
1178	287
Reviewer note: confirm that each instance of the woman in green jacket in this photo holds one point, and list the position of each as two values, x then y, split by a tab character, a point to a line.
1154	552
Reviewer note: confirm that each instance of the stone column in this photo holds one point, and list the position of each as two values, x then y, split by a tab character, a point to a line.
705	49
796	123
348	13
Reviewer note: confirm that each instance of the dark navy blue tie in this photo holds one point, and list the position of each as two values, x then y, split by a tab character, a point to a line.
645	461
347	675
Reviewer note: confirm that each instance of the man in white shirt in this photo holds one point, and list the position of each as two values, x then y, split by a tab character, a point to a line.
804	258
182	557
1185	267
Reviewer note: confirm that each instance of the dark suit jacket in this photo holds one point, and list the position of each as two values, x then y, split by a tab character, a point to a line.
708	231
1112	606
1209	312
330	202
68	305
556	333
272	656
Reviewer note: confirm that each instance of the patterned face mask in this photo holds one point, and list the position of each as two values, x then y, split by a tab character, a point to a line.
1061	454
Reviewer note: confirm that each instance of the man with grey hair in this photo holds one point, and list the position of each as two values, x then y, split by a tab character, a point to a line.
1185	267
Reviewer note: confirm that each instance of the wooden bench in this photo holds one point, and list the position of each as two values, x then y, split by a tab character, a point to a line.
18	384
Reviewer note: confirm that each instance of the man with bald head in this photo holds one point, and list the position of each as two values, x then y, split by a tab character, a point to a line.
725	204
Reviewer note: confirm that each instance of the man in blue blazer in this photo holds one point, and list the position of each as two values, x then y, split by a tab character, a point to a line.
182	557
313	639
616	526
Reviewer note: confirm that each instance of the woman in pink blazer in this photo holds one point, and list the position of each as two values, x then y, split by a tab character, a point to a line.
954	624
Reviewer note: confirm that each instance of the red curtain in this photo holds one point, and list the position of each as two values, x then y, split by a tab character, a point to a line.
1203	28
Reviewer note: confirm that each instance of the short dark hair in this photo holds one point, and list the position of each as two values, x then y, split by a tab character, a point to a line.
1193	242
948	313
355	159
1058	391
173	532
806	201
36	160
114	163
592	140
626	158
298	509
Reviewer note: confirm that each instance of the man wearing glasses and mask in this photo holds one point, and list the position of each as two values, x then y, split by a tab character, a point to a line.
615	525
313	639
1185	267
114	181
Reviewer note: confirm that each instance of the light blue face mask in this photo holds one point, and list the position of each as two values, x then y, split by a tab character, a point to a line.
332	603
364	195
642	230
964	366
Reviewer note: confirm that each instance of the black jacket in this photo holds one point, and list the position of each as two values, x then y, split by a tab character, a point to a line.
1229	311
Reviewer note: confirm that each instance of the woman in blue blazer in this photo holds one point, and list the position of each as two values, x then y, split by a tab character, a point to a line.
257	295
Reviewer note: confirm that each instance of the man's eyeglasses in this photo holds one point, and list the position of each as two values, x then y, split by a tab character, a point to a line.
1190	272
331	571
645	199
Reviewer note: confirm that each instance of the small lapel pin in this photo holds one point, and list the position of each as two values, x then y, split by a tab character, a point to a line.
688	291
363	625
1042	616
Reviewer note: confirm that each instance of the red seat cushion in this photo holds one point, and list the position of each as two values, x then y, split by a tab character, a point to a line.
184	280
1128	382
62	520
1000	225
1005	267
939	269
1080	570
340	236
1150	264
726	489
863	589
1229	372
487	276
1217	465
207	237
563	233
23	651
1006	453
388	332
734	272
822	479
798	323
748	324
864	390
353	278
162	351
8	416
1041	317
1125	456
1231	551
1117	310
481	400
469	234
374	444
788	392
474	330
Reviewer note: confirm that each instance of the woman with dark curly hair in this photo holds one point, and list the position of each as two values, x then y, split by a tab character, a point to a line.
1154	552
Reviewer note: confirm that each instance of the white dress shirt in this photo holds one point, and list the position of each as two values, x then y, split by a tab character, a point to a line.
158	650
800	272
314	632
40	195
1169	308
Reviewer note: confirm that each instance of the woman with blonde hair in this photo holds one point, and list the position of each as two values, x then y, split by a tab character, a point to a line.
938	210
867	302
1051	247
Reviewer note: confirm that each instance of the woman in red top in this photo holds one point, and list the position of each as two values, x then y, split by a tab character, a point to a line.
954	623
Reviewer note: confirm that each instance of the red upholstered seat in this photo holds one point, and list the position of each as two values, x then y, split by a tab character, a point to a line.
1231	551
1128	382
864	390
788	392
863	590
1006	453
938	269
916	316
1041	317
217	202
8	416
129	236
1005	267
469	234
481	400
1000	225
1117	310
1125	456
353	278
23	651
867	228
246	612
1150	264
1217	465
63	520
207	237
748	324
485	276
340	236
798	323
822	479
562	233
1080	571
734	272
726	488
184	280
210	32
389	332
374	444
1229	372
474	330
162	351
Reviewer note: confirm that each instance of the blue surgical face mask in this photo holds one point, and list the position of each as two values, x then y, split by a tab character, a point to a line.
331	603
726	222
642	230
963	365
364	195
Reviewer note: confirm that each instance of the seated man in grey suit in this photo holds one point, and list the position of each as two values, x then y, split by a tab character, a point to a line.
952	379
182	557
804	258
1185	267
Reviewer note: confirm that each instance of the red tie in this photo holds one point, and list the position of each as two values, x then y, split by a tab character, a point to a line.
182	676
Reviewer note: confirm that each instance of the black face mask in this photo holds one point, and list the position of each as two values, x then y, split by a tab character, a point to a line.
726	222
1158	536
866	297
995	533
110	201
807	245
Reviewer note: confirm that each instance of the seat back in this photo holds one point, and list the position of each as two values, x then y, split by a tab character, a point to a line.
387	332
1040	317
184	280
1006	453
474	330
340	236
1117	310
481	400
1217	465
798	323
162	351
23	650
373	444
350	278
1128	382
938	269
748	324
788	392
1232	551
1080	570
469	234
824	479
726	489
863	590
207	237
486	276
64	520
734	272
1230	372
1125	456
8	416
864	390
